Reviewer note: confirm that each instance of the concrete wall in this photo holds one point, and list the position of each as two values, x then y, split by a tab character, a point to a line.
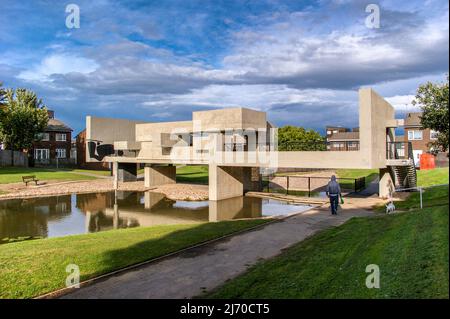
109	130
375	115
20	158
159	175
230	118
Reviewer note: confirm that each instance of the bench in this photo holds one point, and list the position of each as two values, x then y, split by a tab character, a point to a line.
28	179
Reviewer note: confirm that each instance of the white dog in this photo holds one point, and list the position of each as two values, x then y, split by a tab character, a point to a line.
390	208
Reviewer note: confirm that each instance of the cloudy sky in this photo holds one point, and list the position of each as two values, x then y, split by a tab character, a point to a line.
301	61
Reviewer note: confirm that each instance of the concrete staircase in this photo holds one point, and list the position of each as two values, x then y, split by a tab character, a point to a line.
404	175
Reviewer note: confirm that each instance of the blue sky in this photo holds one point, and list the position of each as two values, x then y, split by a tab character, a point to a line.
301	61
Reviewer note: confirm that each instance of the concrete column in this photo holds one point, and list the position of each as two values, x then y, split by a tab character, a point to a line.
252	179
225	182
386	186
159	175
115	172
152	199
127	172
226	209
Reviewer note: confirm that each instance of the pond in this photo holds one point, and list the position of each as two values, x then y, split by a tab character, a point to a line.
86	213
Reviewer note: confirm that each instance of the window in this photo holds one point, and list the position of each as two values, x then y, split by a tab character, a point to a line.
415	135
433	135
60	153
61	137
43	137
41	154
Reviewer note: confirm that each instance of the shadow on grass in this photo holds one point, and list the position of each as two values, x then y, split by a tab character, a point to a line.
148	249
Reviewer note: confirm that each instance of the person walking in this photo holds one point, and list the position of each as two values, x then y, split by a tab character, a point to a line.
333	192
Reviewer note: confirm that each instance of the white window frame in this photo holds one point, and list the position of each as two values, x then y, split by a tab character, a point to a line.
432	132
61	137
61	153
413	137
44	136
42	151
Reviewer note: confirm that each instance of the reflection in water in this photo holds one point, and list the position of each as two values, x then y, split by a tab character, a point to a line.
85	213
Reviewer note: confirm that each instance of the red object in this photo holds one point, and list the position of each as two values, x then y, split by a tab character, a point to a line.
427	161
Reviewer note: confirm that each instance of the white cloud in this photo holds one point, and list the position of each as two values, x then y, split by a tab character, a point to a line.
402	102
58	64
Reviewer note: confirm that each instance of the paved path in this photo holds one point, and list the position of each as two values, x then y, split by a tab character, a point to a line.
201	269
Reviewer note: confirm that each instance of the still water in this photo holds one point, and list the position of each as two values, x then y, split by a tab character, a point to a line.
85	213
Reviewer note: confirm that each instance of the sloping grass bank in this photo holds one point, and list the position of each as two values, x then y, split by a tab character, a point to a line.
32	268
411	250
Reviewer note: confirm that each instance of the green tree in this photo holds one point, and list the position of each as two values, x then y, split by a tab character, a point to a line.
293	138
23	117
2	96
433	100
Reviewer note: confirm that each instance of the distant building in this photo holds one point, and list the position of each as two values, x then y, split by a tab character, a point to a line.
53	145
340	138
81	154
420	137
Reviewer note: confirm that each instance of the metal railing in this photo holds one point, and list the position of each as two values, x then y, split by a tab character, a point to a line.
318	146
399	150
288	185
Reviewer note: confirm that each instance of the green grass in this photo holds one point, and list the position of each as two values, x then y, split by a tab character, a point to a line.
411	250
369	174
192	174
14	174
432	177
35	267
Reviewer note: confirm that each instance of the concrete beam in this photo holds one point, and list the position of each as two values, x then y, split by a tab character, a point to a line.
159	175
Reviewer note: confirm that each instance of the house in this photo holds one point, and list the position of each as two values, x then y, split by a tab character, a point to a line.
53	145
340	138
419	137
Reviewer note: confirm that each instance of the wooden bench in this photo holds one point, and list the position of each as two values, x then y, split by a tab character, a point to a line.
28	179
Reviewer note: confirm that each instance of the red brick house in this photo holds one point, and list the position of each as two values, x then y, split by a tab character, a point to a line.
53	145
421	138
340	138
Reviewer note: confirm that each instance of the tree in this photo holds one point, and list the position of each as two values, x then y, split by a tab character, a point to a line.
293	138
433	101
2	96
23	117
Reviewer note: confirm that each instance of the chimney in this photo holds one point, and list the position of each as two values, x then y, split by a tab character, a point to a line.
51	114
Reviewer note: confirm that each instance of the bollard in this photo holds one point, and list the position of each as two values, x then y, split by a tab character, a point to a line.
421	203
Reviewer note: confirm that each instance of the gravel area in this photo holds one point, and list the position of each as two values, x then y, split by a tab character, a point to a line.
172	191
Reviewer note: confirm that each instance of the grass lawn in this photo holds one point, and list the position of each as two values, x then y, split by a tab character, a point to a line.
432	176
411	250
369	174
14	174
192	174
31	268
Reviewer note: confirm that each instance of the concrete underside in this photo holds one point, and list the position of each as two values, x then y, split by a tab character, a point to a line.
201	269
